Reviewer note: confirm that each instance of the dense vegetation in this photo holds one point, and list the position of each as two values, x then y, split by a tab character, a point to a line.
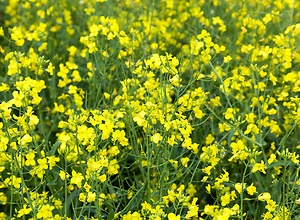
139	109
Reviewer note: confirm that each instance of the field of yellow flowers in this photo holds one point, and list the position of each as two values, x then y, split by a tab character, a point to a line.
141	109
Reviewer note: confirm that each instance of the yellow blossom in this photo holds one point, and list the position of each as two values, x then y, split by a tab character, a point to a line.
251	189
156	138
259	167
172	216
193	209
76	178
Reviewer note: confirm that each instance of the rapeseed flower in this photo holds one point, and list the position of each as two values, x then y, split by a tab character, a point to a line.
130	115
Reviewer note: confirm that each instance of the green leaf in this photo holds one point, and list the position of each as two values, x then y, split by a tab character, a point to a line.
111	215
54	147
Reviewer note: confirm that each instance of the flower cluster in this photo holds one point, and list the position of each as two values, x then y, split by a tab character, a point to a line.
149	110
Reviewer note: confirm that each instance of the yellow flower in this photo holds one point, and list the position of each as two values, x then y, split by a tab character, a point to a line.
237	146
272	159
30	159
251	189
45	211
133	216
229	114
52	161
16	182
156	138
4	87
113	151
239	187
207	169
91	197
76	178
24	211
107	129
264	196
184	161
225	199
94	30
208	187
227	59
175	80
82	197
172	216
113	167
72	50
198	113
171	140
3	199
193	209
259	167
1	31
120	137
102	178
251	128
62	174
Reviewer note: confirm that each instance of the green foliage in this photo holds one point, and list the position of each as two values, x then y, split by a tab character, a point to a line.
141	109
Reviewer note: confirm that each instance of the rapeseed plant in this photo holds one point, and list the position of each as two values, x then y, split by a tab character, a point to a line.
149	109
